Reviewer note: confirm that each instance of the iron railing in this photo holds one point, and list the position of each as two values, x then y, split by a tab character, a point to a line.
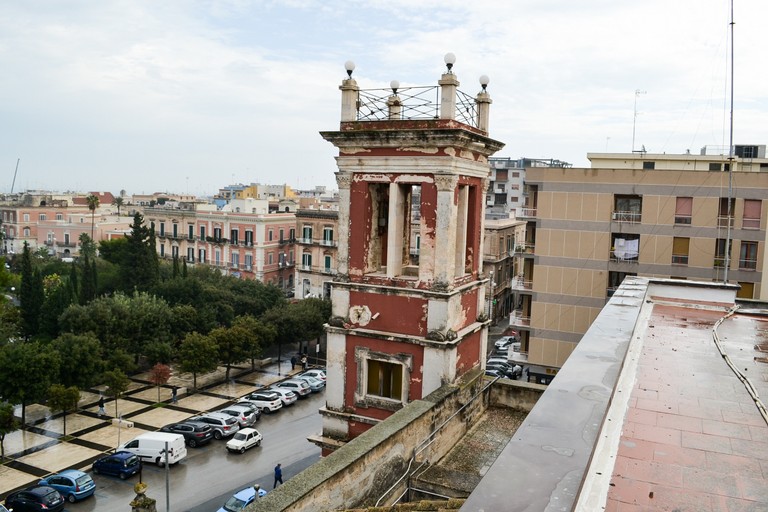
415	103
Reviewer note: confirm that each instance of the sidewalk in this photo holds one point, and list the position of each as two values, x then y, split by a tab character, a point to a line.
39	451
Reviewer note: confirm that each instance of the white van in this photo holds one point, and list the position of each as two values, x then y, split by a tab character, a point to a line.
150	447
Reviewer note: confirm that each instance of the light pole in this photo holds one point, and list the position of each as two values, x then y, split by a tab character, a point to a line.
490	297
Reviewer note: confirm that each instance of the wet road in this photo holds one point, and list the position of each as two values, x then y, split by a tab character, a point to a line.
210	475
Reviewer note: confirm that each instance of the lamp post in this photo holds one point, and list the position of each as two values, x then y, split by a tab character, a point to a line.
490	297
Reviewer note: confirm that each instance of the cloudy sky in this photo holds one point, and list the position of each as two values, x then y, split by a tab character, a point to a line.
190	96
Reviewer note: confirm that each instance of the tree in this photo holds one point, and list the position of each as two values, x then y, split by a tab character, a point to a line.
93	204
8	424
63	399
139	268
159	376
87	245
27	372
233	345
259	335
198	354
31	294
81	359
58	296
117	383
119	201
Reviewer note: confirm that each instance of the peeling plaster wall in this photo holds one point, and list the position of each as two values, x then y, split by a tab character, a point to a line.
470	352
335	368
397	313
439	367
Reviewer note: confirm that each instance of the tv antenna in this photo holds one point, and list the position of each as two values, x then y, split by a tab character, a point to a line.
13	184
638	92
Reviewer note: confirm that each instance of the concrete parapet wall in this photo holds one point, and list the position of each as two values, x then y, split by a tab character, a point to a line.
516	394
361	471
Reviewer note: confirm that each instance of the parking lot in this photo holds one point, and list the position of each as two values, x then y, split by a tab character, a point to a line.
207	473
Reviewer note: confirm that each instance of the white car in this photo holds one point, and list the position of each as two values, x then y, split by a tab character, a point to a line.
299	387
316	373
286	395
504	342
266	399
244	439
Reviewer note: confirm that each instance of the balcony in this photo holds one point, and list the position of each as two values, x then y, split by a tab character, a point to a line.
520	283
525	248
680	259
517	318
328	243
622	257
626	217
529	213
306	241
682	220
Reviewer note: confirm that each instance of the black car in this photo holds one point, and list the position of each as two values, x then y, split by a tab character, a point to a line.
196	433
40	497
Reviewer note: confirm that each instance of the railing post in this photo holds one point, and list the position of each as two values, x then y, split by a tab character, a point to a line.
448	83
483	101
349	94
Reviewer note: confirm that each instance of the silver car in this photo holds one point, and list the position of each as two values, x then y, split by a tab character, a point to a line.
298	386
223	425
244	414
315	385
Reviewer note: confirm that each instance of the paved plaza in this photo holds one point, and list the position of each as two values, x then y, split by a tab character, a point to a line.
42	449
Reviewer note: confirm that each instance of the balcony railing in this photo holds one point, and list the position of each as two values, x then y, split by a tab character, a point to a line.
723	221
526	248
528	212
679	259
328	243
747	264
517	318
623	258
414	103
628	217
682	220
750	223
520	283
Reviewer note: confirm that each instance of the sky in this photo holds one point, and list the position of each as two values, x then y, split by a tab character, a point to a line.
191	96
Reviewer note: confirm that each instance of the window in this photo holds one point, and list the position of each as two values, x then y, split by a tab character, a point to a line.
747	291
752	212
162	229
191	254
715	166
217	233
175	230
27	232
235	260
725	212
191	231
249	238
628	209
59	216
162	250
306	261
43	216
201	255
328	263
680	250
292	234
234	235
748	256
202	232
281	235
26	217
683	209
270	259
306	234
217	257
615	279
720	254
269	235
248	262
625	248
649	166
174	251
385	379
327	236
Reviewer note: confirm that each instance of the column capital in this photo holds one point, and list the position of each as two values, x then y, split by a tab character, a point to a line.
446	183
344	180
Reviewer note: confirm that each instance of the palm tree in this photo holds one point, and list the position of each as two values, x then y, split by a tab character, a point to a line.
119	201
93	203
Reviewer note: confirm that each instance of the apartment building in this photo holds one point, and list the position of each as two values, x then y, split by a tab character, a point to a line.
505	184
316	249
242	239
686	216
500	242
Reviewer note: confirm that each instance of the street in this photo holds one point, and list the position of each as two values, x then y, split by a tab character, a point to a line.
210	475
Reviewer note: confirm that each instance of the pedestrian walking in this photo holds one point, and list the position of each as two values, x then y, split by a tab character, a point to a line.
278	475
293	362
304	362
173	394
102	412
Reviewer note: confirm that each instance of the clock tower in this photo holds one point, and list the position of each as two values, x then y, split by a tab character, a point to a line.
408	297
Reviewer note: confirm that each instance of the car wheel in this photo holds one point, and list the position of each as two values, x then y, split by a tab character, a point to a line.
192	443
242	449
95	470
71	498
160	462
217	435
258	443
123	476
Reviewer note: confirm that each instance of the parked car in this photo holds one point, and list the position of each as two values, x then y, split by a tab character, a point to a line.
222	425
504	342
242	413
317	373
266	400
287	396
122	464
315	385
32	499
3	509
241	499
509	371
246	438
72	484
299	387
196	433
493	373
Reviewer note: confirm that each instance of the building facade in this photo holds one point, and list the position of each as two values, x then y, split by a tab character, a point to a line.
651	215
316	251
404	326
501	239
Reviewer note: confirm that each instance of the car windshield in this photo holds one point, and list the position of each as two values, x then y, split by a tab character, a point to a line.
131	461
234	504
240	436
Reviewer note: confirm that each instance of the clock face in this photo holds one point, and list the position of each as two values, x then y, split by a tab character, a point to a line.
360	315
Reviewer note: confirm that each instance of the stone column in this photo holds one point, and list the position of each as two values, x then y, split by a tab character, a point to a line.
445	229
483	101
349	93
344	180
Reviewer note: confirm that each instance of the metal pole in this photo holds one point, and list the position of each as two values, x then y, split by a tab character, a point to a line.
730	170
167	481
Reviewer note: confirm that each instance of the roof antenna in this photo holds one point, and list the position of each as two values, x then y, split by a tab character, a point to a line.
14	174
